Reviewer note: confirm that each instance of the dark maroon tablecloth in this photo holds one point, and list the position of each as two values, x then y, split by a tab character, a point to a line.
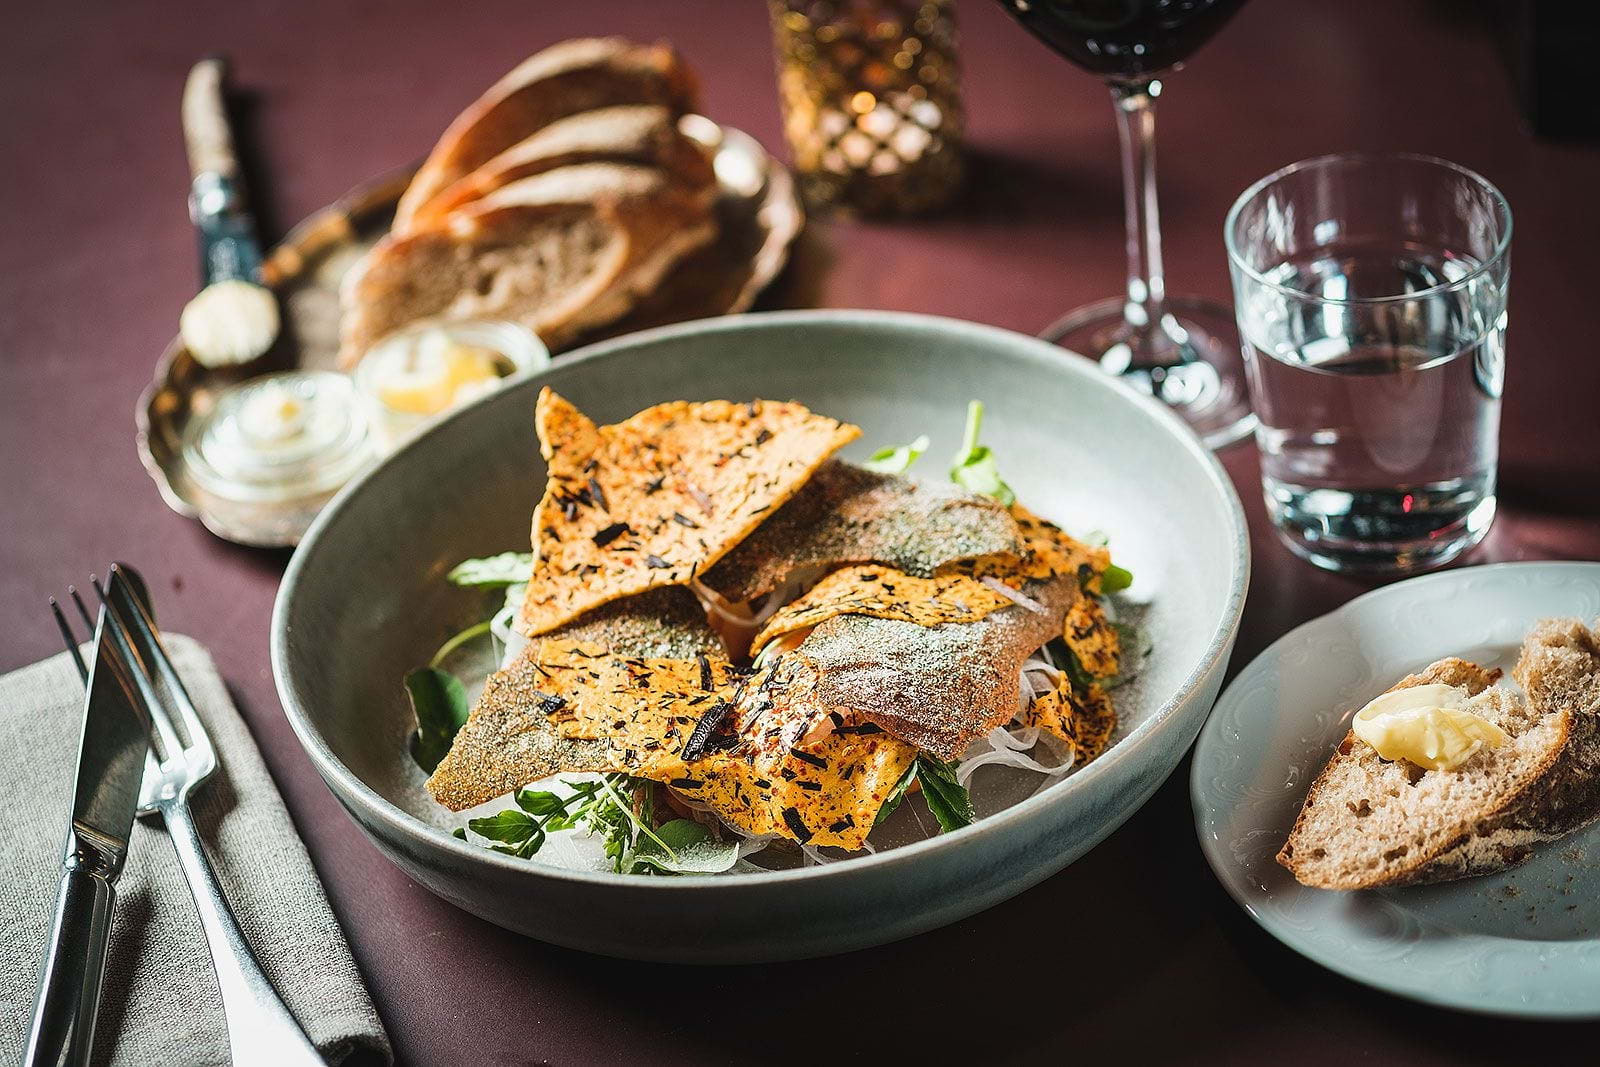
1131	952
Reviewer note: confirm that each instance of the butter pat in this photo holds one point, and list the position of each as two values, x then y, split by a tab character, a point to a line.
436	374
1427	725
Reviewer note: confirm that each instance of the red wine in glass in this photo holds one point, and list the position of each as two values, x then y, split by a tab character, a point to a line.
1183	350
1124	38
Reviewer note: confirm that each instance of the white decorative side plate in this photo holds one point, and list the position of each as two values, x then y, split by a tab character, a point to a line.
1525	942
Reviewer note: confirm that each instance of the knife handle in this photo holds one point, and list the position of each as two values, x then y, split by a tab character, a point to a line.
75	964
205	122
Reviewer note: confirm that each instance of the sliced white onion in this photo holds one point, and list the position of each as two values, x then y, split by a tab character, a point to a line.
1000	747
719	605
503	627
814	856
1012	595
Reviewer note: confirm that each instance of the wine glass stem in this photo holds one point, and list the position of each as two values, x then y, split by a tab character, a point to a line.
1155	339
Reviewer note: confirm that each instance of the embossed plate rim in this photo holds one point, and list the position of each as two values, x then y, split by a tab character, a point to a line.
1400	953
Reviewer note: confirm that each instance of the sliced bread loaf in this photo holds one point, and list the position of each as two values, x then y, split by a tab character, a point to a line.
564	79
1372	822
560	252
646	134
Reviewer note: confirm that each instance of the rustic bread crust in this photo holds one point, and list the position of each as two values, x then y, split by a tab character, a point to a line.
642	134
637	223
1560	794
564	79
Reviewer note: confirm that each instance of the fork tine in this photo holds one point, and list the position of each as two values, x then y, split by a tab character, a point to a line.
72	642
130	614
171	745
83	612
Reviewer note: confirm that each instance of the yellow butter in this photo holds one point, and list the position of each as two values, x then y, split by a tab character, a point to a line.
1426	725
435	375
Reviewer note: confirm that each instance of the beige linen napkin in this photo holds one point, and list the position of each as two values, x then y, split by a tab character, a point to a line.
161	1004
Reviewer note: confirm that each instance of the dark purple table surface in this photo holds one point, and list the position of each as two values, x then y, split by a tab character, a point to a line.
1134	951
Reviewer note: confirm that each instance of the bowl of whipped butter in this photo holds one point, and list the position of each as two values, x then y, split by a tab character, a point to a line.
410	378
262	456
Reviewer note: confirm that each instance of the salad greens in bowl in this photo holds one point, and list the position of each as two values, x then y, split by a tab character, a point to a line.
413	589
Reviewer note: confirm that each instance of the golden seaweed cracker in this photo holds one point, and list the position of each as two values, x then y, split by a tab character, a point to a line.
665	622
1049	551
508	740
795	767
636	706
784	763
656	500
846	514
1085	720
884	593
1091	638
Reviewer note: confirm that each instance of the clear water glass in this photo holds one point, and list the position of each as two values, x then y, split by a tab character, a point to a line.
1371	292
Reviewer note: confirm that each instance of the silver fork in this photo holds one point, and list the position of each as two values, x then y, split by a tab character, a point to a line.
261	1030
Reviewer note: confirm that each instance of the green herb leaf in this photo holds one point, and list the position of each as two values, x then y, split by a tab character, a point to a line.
439	701
897	460
692	850
511	826
974	466
1115	579
508	568
946	797
897	794
539	802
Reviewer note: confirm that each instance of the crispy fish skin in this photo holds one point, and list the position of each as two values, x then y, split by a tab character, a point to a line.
941	687
508	740
659	498
846	514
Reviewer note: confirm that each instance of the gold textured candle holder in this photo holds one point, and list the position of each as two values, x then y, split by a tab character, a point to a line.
871	101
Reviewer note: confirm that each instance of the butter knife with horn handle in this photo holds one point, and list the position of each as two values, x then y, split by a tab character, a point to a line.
235	318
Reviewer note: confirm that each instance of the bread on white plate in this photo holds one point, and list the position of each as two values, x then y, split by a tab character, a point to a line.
633	133
561	252
564	79
1480	773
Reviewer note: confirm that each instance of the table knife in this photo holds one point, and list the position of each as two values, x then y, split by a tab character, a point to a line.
106	794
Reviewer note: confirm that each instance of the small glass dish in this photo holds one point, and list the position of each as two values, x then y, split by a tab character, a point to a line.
413	376
271	451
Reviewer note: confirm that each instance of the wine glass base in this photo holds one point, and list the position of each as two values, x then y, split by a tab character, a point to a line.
1199	372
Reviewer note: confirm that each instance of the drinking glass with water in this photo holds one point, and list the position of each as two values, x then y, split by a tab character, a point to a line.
1371	297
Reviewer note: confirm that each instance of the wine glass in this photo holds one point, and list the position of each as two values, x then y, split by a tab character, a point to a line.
1181	349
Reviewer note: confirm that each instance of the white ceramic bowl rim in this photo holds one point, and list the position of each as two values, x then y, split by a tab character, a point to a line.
333	769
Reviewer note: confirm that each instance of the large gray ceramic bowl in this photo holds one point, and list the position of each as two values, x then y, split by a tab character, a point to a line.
364	600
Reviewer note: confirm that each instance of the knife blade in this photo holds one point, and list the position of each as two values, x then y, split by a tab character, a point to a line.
105	797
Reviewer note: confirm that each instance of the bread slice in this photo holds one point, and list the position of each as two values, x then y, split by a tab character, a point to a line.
561	252
564	79
635	133
1371	822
